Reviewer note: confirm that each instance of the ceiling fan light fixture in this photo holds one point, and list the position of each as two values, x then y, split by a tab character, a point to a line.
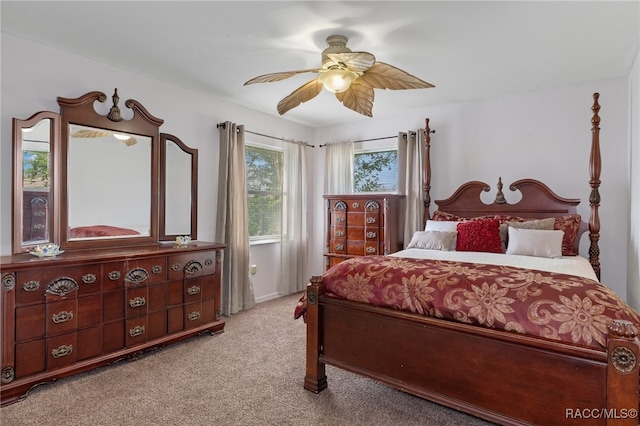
337	80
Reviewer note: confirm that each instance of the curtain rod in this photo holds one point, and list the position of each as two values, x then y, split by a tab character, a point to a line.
223	125
375	139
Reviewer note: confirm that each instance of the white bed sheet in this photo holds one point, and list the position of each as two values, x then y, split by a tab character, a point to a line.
570	265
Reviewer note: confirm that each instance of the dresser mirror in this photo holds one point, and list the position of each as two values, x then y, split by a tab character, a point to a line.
100	179
178	176
35	144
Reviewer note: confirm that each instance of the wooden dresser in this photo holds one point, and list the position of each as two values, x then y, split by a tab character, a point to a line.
362	225
81	310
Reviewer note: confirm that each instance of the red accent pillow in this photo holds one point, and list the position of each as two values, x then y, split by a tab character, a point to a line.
479	235
570	225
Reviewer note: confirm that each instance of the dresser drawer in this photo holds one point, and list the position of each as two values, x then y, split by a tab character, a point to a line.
61	350
192	264
30	358
30	322
135	331
192	315
62	317
136	302
134	273
33	285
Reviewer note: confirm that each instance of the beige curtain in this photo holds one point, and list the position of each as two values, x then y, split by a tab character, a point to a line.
338	168
232	225
293	247
411	151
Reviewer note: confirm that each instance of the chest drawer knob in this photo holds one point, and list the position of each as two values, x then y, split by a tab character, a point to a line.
136	331
114	275
371	220
61	286
176	266
193	316
31	285
89	278
339	233
193	290
156	269
371	250
371	234
137	302
62	350
62	316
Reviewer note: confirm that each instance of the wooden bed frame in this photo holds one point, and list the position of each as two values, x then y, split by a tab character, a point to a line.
503	377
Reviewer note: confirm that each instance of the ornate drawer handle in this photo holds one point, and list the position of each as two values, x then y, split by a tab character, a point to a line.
193	316
371	250
114	275
89	278
355	205
62	316
61	286
62	350
372	205
371	234
208	262
371	220
136	331
38	213
193	290
339	233
193	267
137	302
176	266
31	285
340	219
38	226
156	269
136	276
339	247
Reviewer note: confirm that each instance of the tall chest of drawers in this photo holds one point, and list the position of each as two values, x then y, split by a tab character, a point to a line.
362	225
78	311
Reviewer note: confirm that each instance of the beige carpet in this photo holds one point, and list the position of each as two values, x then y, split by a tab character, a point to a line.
251	374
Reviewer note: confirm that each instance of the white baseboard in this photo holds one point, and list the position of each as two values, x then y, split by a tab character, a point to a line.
268	297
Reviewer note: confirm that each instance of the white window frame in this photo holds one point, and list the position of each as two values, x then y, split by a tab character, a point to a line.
273	238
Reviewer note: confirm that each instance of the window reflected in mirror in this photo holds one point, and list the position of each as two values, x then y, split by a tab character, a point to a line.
36	177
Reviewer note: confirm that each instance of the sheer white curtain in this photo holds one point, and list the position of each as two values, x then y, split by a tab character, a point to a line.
411	152
293	247
338	168
232	225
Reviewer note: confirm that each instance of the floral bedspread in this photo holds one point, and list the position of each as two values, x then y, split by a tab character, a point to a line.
555	306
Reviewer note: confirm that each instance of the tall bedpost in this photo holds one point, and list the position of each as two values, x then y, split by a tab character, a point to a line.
315	379
427	171
594	199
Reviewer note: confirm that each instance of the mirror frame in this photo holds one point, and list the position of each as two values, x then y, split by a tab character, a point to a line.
81	111
193	152
17	194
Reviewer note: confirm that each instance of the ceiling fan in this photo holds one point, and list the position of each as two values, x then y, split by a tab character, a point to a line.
352	76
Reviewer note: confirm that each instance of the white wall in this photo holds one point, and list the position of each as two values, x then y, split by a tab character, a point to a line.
633	253
544	135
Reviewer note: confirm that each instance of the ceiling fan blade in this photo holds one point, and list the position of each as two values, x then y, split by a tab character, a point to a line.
302	94
90	133
278	76
385	76
355	61
358	97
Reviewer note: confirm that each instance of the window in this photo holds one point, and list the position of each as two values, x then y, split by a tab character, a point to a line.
264	191
375	171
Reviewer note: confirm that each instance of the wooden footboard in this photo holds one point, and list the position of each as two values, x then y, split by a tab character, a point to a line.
503	377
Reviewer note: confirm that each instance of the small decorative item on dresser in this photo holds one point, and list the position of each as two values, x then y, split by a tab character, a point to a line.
46	250
183	240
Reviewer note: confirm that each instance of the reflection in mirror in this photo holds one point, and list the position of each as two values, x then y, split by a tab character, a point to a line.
108	184
179	176
33	181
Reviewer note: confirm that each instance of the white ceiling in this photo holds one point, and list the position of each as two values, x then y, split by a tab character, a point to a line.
469	50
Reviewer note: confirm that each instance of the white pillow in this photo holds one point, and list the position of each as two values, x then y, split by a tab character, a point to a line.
535	242
444	226
432	240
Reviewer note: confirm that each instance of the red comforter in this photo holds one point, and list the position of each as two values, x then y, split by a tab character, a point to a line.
555	306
